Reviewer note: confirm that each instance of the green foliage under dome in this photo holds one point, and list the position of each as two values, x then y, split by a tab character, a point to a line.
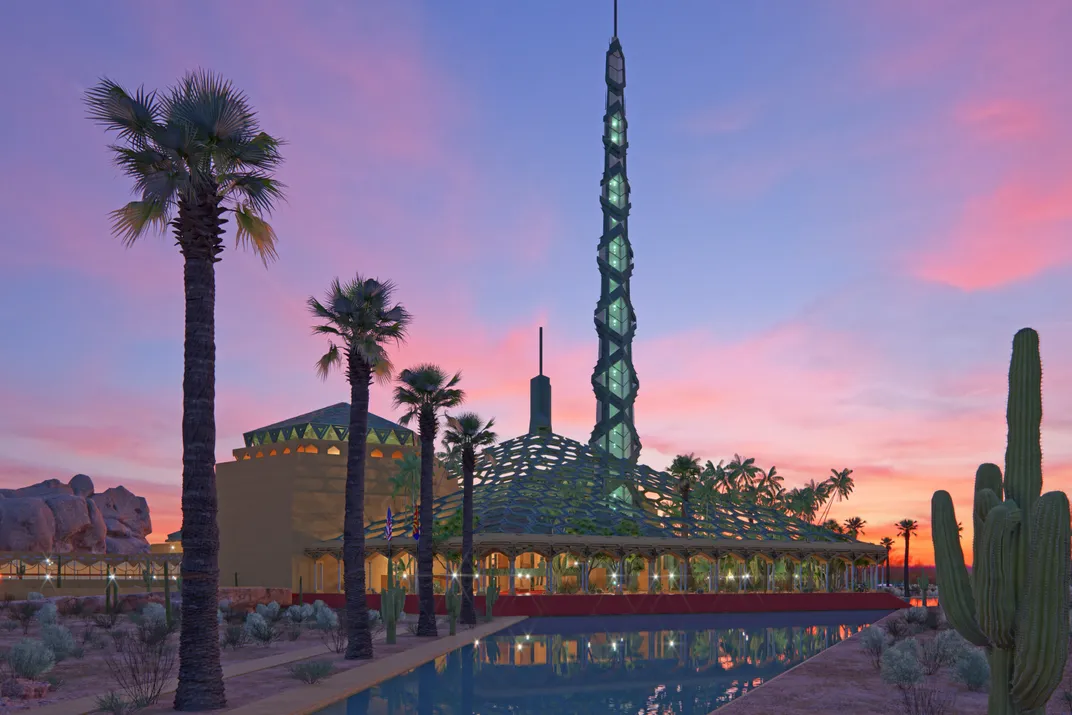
537	484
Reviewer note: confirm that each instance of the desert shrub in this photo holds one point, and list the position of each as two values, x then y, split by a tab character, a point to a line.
142	670
34	596
300	614
23	614
120	638
874	641
972	669
291	632
260	630
943	622
326	619
47	615
234	637
312	672
71	607
269	612
953	645
30	659
411	625
113	704
927	701
900	664
154	613
55	682
898	626
90	637
337	637
105	621
59	640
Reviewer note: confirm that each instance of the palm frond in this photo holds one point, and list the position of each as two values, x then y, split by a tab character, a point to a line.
255	232
261	152
213	106
133	220
331	359
133	117
257	191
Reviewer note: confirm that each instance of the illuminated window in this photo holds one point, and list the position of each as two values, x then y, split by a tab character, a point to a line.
272	453
260	454
245	456
376	453
286	450
311	449
333	450
301	448
397	454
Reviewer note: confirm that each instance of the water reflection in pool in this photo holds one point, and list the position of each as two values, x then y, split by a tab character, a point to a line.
685	665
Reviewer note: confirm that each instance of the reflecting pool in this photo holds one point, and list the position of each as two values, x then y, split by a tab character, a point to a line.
620	665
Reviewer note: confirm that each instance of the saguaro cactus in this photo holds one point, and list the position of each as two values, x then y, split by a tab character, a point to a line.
923	583
1016	601
454	604
392	601
491	595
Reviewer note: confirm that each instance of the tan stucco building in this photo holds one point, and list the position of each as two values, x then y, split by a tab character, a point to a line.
284	492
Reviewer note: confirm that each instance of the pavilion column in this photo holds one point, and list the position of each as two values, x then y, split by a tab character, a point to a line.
338	572
651	572
513	572
828	575
621	576
712	576
770	576
685	574
550	588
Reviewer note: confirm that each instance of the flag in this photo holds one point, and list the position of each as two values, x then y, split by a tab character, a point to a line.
388	526
416	522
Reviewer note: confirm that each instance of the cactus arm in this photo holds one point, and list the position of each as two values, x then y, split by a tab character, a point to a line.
995	574
955	594
1023	455
1042	628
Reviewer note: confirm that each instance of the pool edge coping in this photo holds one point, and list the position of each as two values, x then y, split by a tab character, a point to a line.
307	700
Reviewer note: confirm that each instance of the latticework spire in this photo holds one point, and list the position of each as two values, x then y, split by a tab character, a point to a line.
614	379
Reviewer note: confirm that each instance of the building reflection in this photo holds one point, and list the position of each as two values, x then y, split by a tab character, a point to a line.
655	672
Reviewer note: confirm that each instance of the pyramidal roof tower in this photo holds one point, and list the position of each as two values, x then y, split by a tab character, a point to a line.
614	379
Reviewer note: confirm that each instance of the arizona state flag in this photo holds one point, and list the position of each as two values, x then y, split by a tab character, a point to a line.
416	522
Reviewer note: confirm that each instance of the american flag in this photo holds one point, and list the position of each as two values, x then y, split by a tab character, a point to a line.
388	526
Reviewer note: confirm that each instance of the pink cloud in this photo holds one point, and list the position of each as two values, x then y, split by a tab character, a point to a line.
721	120
1003	119
1012	233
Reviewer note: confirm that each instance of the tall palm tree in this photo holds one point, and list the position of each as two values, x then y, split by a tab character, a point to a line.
769	485
905	528
407	481
686	470
194	154
820	493
833	525
742	473
887	542
465	433
361	317
854	526
840	486
423	391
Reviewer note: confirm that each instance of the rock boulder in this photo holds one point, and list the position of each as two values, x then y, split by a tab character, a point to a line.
53	517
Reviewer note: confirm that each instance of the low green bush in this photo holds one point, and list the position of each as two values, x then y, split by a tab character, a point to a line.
973	669
30	659
313	671
900	664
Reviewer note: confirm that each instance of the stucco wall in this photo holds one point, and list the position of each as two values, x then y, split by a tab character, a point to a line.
273	507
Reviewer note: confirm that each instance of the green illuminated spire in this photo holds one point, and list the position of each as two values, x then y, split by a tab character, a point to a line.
614	379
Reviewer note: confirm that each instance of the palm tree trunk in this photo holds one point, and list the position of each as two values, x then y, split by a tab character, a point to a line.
358	635
887	567
426	623
906	593
200	685
468	614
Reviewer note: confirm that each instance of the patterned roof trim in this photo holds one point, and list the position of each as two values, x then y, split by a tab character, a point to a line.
537	484
330	424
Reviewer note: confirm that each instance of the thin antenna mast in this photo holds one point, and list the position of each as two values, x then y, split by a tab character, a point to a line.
541	350
615	18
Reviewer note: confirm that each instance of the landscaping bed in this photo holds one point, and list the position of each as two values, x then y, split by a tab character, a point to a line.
845	678
88	647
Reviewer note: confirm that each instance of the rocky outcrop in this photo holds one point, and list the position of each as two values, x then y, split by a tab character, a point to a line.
57	518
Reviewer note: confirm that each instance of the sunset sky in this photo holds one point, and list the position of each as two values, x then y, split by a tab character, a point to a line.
842	212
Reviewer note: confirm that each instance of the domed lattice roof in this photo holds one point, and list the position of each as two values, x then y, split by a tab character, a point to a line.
549	484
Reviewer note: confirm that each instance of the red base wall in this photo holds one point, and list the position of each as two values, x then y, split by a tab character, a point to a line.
628	604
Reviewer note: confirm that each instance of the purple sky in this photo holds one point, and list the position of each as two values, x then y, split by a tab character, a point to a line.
841	214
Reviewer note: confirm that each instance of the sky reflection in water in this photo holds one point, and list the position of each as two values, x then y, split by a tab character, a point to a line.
637	665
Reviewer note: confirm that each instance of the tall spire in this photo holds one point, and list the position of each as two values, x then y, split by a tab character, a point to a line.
540	399
614	380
